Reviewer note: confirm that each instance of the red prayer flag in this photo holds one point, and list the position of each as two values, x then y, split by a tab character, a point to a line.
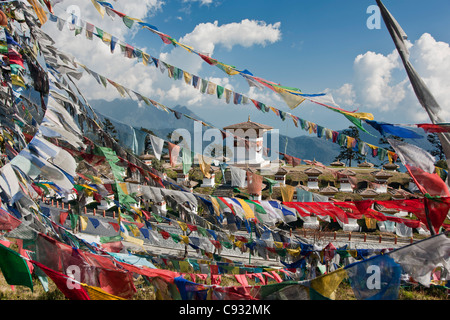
434	128
174	151
71	289
241	278
7	221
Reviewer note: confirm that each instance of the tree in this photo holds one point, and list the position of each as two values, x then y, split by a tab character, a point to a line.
148	142
348	154
109	128
436	145
384	141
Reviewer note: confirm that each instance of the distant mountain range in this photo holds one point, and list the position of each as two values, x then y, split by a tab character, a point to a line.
161	123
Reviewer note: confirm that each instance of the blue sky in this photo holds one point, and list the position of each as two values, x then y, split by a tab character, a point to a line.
317	46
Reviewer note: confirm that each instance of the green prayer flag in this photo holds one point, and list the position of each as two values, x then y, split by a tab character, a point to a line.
357	122
127	21
157	218
275	287
78	30
314	295
219	90
78	187
175	237
257	207
99	32
73	220
123	198
106	239
271	183
227	244
175	264
202	231
187	156
14	268
281	252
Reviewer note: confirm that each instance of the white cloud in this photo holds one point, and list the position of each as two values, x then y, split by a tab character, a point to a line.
246	33
97	56
380	84
202	2
149	81
207	36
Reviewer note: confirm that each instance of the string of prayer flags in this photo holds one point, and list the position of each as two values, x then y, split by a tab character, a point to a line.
293	161
292	96
111	275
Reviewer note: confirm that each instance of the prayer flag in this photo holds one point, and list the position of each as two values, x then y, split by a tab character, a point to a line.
14	268
420	165
376	278
426	99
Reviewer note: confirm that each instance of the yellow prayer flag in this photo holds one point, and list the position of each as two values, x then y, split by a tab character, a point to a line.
292	99
145	58
370	223
390	156
134	230
287	193
96	293
359	115
135	19
138	211
278	245
353	253
238	244
235	270
184	266
188	48
123	186
293	252
40	13
131	239
96	180
182	225
99	8
106	37
349	142
204	166
216	205
185	239
248	212
17	80
83	222
88	187
328	283
268	269
228	69
187	77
